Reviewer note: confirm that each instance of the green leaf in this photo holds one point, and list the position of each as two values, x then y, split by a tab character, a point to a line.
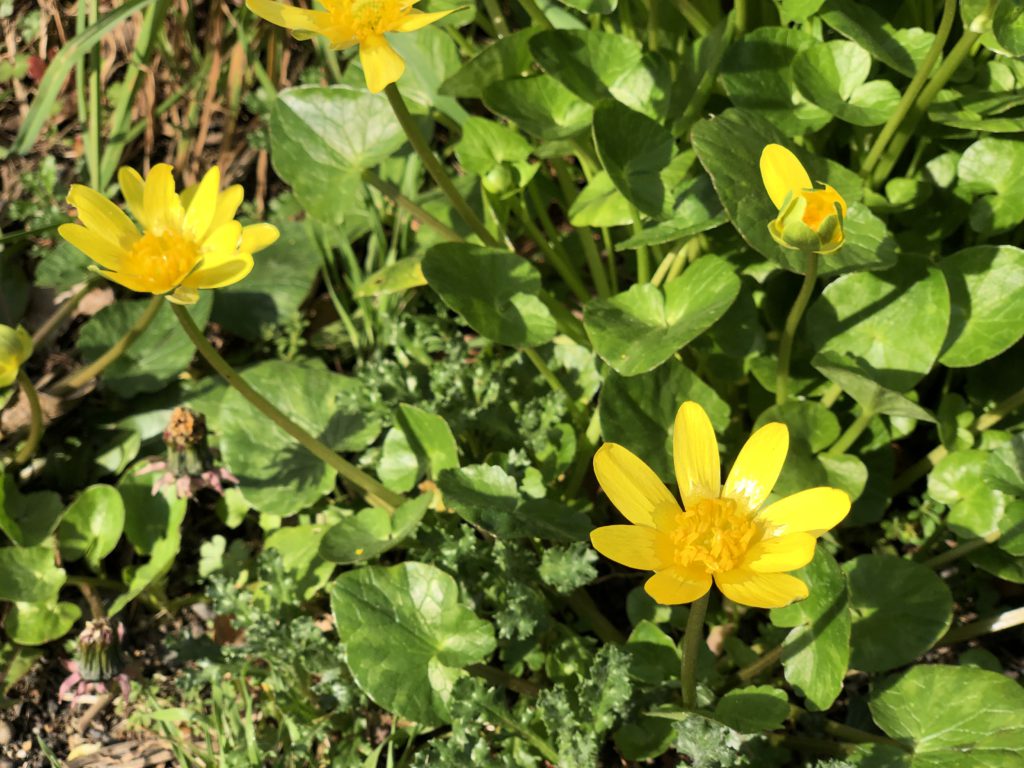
29	575
697	209
488	147
986	289
729	147
1008	26
148	515
870	316
963	481
371	532
28	519
859	383
159	354
834	76
654	658
592	6
495	291
816	654
431	57
757	73
753	709
540	105
430	436
600	204
273	292
407	636
809	421
599	65
92	525
488	497
394	278
278	476
953	717
902	49
635	151
900	609
639	329
507	58
993	170
38	623
639	411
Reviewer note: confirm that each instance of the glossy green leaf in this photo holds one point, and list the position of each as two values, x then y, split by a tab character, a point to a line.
92	525
38	623
495	291
639	329
809	421
488	147
889	592
753	709
859	382
29	574
371	532
834	75
407	636
993	170
963	481
431	57
278	476
902	49
1008	26
953	717
636	152
600	204
506	58
654	657
401	276
540	105
27	518
816	653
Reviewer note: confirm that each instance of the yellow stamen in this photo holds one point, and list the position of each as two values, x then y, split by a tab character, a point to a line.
162	261
714	534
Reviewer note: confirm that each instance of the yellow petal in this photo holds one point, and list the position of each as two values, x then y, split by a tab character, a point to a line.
131	282
228	203
99	249
780	553
131	184
288	16
782	173
695	452
225	238
219	269
757	467
678	585
203	205
102	216
381	65
256	237
813	511
417	20
634	546
161	207
183	295
760	590
630	484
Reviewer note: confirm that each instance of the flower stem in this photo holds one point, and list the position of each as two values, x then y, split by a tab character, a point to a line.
557	260
552	380
849	437
87	373
911	94
35	430
691	647
375	492
390	190
789	330
643	253
434	167
767	660
988	625
62	312
536	14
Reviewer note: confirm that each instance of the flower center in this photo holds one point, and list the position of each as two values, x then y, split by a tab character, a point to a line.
714	534
366	17
821	203
161	262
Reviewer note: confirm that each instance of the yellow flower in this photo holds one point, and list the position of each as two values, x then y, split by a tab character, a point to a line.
354	22
720	532
15	349
188	241
809	220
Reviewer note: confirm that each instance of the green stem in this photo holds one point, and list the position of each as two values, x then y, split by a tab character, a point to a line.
988	625
741	17
961	550
913	90
536	14
554	241
496	676
691	647
497	18
833	393
434	167
707	80
585	234
390	190
643	253
566	321
62	313
583	605
560	264
87	373
35	430
693	17
767	660
849	437
789	330
92	133
375	492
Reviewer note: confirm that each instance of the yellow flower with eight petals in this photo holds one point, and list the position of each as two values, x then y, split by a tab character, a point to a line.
720	532
809	220
354	22
188	241
15	349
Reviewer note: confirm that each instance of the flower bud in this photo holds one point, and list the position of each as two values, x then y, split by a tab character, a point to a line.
15	349
810	221
99	651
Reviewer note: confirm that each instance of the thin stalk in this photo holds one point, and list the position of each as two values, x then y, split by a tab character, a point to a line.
557	260
552	380
375	492
62	313
667	265
849	437
986	626
554	240
643	253
913	90
693	17
707	80
583	605
434	167
585	234
536	14
565	320
741	17
691	647
833	393
87	373
943	559
789	330
92	133
496	676
496	17
390	190
35	430
767	660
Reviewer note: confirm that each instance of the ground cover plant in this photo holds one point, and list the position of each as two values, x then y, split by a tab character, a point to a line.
515	383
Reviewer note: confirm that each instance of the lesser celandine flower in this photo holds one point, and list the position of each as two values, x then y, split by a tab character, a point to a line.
188	241
15	349
809	220
354	22
720	533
